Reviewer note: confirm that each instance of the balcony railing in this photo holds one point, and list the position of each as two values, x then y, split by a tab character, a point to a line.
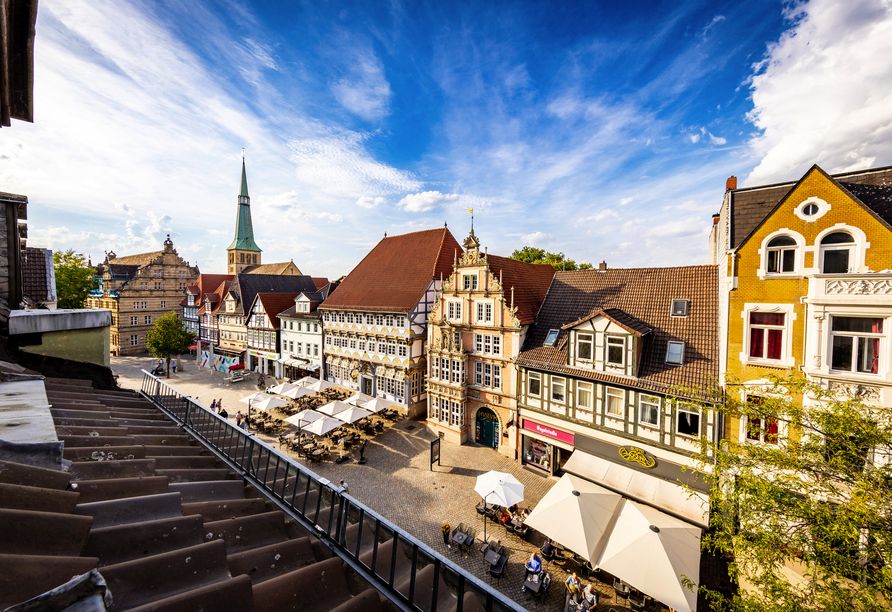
341	522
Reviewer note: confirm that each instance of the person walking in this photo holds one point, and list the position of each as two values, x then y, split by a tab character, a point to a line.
213	405
220	404
173	366
238	418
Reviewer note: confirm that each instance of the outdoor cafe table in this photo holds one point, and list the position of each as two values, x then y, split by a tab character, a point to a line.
492	557
533	581
317	453
459	538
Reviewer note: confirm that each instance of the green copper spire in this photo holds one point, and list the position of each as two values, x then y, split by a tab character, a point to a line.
244	229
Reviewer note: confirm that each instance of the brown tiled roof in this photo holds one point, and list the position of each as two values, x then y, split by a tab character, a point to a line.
271	268
274	303
213	284
320	281
530	283
34	274
646	295
751	205
626	321
877	198
395	274
140	259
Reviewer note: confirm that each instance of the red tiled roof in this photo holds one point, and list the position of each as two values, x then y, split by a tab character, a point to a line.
395	274
274	303
626	321
645	294
530	283
319	281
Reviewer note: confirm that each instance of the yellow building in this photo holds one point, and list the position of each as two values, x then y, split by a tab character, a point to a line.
805	287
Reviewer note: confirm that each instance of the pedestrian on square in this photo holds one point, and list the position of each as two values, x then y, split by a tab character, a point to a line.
219	404
223	413
238	418
173	366
344	488
213	405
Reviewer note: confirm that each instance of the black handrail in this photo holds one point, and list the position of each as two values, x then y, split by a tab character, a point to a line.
271	472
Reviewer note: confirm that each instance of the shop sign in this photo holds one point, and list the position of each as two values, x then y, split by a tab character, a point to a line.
638	455
550	432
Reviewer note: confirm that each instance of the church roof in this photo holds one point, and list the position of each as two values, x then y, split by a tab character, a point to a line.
244	229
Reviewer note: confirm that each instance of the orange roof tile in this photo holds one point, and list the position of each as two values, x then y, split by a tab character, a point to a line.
529	281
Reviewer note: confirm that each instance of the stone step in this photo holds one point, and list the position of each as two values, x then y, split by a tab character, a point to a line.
68	382
186	475
134	413
22	532
72	441
97	470
112	545
118	488
247	532
100	430
165	450
31	476
424	587
231	594
25	576
89	423
273	560
213	490
174	438
319	587
141	581
158	430
103	453
220	510
367	540
142	422
201	462
114	512
382	567
67	415
21	497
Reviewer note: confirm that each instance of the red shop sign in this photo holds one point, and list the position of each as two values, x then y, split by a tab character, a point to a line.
551	432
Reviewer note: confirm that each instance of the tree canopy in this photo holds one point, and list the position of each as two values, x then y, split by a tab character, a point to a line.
169	336
804	505
74	279
558	261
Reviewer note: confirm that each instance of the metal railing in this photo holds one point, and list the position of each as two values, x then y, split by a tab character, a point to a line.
408	572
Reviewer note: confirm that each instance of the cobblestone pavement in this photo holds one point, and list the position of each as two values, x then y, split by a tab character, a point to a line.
397	482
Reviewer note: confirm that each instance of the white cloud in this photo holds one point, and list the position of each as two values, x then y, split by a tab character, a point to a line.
716	140
214	232
535	239
823	93
695	138
624	201
365	91
600	215
370	202
426	200
329	216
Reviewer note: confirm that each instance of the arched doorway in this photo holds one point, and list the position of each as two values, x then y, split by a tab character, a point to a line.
487	428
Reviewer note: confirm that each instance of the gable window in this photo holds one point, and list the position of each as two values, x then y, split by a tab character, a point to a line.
469	282
615	402
584	395
766	335
688	422
616	350
855	344
534	384
584	347
781	255
679	308
558	387
675	352
551	337
836	252
649	409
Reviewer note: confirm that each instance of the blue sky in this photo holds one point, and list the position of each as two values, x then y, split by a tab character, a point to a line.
603	130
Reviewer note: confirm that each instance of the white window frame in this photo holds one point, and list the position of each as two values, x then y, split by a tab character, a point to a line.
581	339
531	376
857	338
669	345
484	312
690	410
786	359
558	381
856	252
615	393
648	400
687	307
800	247
469	282
453	310
588	388
622	342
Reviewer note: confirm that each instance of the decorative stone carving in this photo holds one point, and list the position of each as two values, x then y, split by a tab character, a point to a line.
472	258
855	390
860	286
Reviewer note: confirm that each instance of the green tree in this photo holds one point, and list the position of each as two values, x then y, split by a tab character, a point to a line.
558	261
74	279
809	491
169	336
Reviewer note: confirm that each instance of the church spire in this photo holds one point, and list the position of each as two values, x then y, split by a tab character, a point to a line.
244	192
243	250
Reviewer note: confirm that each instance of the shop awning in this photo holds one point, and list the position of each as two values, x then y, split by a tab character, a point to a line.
311	368
400	376
389	373
239	366
662	494
333	363
193	347
379	371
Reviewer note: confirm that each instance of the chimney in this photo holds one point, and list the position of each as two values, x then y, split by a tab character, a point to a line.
602	267
715	219
731	183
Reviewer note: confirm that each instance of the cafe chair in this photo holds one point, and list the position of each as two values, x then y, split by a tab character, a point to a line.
498	570
637	600
620	588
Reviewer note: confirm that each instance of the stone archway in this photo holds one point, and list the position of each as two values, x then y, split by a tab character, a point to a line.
487	431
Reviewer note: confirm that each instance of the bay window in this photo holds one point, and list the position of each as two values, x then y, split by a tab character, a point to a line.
855	344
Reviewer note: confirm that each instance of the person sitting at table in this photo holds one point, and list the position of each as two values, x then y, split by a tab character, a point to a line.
513	509
548	549
504	518
535	563
591	596
574	587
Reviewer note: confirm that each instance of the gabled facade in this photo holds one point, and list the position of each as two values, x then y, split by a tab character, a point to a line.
263	326
475	331
301	337
375	322
598	374
194	299
139	289
807	290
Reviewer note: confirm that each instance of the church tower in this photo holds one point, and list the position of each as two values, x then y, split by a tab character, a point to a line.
243	251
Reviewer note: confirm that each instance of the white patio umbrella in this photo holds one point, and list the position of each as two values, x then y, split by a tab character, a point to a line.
268	403
297	392
281	388
333	408
302	419
352	414
576	513
254	398
322	426
652	551
377	405
319	385
498	488
360	399
306	380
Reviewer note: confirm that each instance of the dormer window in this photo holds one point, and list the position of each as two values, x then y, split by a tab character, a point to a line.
551	337
584	347
781	255
469	282
616	351
675	353
680	308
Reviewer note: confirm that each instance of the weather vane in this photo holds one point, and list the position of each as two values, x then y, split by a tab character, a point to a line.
471	210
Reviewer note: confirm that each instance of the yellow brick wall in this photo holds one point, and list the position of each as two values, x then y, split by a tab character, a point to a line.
752	289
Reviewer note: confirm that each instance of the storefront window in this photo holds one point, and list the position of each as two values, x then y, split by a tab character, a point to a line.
537	453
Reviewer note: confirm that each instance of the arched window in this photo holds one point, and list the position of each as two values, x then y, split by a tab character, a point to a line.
837	253
781	255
